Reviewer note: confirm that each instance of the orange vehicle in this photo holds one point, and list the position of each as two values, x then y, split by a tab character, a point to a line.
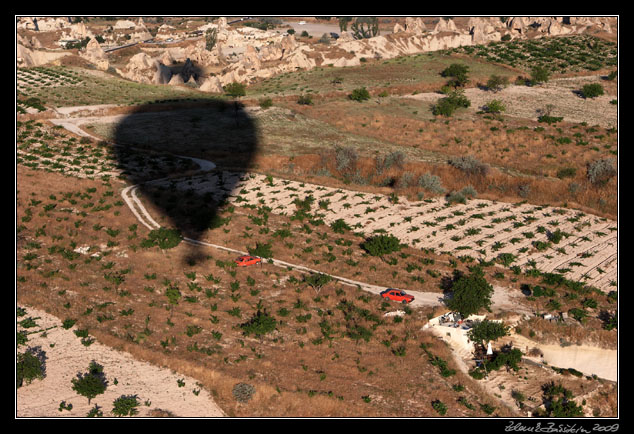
246	260
397	295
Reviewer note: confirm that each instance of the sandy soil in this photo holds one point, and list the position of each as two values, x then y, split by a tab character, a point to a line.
157	388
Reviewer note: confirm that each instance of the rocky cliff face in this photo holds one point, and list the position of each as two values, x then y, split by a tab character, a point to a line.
248	54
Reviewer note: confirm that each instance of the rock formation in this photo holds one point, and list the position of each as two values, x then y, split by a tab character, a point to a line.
211	84
444	25
483	30
124	24
25	57
140	68
95	55
415	25
247	54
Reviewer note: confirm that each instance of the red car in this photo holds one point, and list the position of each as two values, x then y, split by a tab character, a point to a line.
397	295
246	260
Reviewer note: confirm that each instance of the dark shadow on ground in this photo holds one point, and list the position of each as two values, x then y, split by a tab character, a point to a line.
152	141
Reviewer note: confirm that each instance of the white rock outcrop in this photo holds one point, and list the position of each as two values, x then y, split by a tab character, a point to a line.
95	55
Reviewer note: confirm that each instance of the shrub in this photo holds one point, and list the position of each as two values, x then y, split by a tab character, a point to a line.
558	402
601	171
173	294
469	165
431	183
381	245
405	180
448	105
235	89
243	392
545	115
495	106
395	158
265	103
440	407
456	197
164	238
592	90
305	100
360	94
260	324
346	158
469	192
578	314
125	405
339	226
262	250
566	172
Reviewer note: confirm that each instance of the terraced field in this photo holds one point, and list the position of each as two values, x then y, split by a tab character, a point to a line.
549	239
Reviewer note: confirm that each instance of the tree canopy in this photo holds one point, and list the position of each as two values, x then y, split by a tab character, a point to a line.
484	331
91	383
470	293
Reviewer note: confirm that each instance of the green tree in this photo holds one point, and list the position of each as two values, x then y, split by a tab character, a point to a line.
470	293
457	73
235	89
485	331
91	383
365	27
539	74
558	402
496	83
317	280
211	37
164	238
263	250
343	23
260	324
448	105
360	94
28	368
592	90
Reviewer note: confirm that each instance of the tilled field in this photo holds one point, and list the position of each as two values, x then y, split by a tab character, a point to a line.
549	239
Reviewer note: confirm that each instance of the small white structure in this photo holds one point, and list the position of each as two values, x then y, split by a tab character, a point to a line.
64	43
